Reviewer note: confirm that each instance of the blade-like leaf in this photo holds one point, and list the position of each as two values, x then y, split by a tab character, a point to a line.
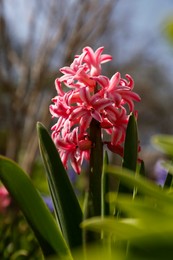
142	169
144	186
34	209
148	208
100	252
131	145
146	234
144	242
142	213
168	181
123	229
67	208
130	151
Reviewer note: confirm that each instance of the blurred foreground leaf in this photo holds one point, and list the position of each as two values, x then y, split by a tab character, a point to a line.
34	209
164	143
145	186
147	228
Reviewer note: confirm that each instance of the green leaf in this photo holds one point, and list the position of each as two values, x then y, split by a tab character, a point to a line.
122	228
34	209
169	167
148	225
168	29
164	143
131	145
149	208
130	151
142	169
168	181
100	252
147	238
144	186
67	208
147	228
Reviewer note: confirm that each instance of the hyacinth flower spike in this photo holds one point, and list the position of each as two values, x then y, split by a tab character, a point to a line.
92	105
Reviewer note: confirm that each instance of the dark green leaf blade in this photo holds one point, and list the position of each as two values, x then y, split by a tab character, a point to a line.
130	151
142	168
67	208
34	209
131	145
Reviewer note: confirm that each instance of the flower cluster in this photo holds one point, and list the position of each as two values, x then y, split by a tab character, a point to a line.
90	96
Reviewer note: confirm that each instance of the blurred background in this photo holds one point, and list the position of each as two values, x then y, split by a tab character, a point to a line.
39	37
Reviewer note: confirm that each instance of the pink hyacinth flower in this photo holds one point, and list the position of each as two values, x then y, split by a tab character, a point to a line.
72	146
90	96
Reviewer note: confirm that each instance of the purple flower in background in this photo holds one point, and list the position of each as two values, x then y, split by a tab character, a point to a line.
72	175
160	172
49	203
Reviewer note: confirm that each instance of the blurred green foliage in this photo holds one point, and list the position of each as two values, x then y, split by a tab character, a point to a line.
39	178
142	230
168	29
17	240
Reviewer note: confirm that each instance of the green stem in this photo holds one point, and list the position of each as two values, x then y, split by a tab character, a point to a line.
93	197
105	188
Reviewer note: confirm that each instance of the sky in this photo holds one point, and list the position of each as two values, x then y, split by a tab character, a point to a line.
141	24
141	28
144	15
144	25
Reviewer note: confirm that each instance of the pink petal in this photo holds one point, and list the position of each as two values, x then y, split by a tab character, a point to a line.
101	104
77	112
60	123
116	136
53	110
98	55
114	81
84	123
85	95
58	87
90	53
103	81
97	116
131	81
105	58
67	70
118	149
76	165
